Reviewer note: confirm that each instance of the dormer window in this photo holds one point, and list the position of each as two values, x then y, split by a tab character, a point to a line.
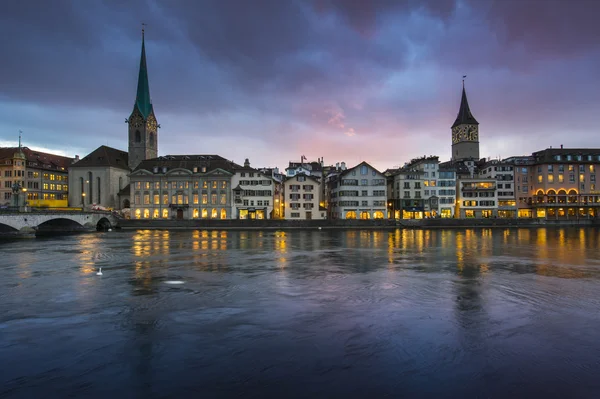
204	169
155	169
195	169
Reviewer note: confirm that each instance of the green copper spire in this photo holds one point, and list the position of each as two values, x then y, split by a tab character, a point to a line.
142	100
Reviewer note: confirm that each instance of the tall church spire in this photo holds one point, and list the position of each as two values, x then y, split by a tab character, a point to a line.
143	127
464	113
142	100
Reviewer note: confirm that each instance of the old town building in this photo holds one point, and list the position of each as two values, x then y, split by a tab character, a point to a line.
358	193
302	198
183	187
41	179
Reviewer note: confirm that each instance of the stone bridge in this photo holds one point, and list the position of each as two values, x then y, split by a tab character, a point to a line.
48	222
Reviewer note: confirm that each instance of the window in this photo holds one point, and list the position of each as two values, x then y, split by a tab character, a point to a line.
364	170
138	136
223	199
561	178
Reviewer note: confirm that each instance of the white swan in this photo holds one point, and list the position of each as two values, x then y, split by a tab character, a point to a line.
99	272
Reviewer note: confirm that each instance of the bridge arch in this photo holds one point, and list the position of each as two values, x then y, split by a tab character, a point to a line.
59	225
4	228
103	224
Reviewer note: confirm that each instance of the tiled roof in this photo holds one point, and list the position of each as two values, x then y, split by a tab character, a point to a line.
104	156
43	160
211	162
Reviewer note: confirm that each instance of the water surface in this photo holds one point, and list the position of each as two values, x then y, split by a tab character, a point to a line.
406	313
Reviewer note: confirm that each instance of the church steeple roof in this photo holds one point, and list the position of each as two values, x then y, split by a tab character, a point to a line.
464	113
142	99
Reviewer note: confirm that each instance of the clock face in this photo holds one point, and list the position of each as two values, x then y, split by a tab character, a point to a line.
136	121
151	123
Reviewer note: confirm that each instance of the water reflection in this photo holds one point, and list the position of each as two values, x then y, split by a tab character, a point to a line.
340	312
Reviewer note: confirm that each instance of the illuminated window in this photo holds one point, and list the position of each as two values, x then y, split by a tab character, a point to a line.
204	213
195	184
138	213
223	184
195	199
155	214
214	213
351	215
196	213
146	213
180	199
470	213
214	184
213	199
561	178
205	184
147	185
165	213
223	214
364	215
165	199
223	199
592	168
204	199
146	199
156	199
550	178
582	178
540	179
136	198
378	215
138	185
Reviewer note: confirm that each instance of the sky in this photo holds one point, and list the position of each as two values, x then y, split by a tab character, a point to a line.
272	80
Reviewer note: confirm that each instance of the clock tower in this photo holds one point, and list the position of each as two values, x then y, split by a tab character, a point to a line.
465	133
143	127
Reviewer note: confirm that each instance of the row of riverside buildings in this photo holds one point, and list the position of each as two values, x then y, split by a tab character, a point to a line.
555	183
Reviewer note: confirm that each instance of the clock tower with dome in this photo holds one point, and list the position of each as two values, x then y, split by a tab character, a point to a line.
143	127
465	133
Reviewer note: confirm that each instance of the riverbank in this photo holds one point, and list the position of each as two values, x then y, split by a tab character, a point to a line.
276	224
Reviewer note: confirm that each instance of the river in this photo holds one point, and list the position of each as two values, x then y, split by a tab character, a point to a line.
486	313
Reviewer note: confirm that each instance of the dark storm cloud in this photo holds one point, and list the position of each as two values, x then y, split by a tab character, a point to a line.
319	70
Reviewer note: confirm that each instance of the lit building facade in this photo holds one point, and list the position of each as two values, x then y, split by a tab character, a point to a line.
182	187
358	193
476	198
302	198
421	190
42	177
562	184
253	193
504	174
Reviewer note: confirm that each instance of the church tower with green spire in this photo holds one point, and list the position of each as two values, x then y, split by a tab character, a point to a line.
143	127
465	133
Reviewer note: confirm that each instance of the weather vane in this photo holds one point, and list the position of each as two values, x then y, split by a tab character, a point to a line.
143	27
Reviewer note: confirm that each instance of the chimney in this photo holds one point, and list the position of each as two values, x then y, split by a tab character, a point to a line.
246	163
337	165
561	146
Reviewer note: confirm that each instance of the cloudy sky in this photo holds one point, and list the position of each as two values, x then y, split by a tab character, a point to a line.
347	80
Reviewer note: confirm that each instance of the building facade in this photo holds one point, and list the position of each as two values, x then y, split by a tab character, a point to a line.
562	184
358	193
182	187
41	179
97	179
504	174
302	198
476	198
253	193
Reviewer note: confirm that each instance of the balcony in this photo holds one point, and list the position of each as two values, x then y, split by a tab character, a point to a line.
479	187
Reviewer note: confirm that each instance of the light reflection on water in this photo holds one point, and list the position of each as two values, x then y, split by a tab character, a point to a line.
420	313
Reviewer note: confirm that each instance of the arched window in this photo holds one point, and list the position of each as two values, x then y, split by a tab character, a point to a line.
120	183
90	183
99	200
151	140
138	136
82	190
